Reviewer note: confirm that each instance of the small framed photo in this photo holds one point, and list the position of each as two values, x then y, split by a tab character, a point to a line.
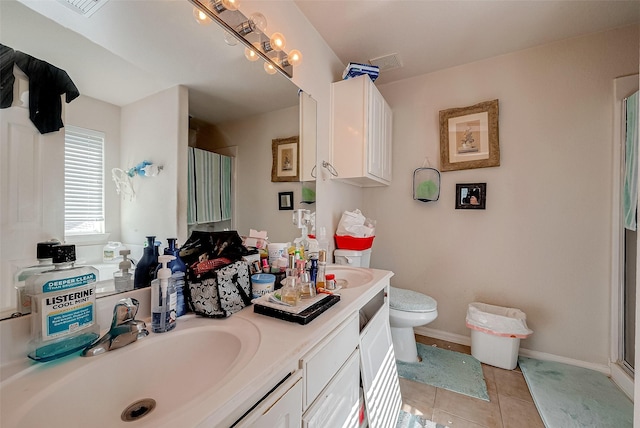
285	200
471	196
285	166
469	137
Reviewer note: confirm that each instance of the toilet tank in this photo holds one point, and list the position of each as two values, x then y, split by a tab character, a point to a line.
352	258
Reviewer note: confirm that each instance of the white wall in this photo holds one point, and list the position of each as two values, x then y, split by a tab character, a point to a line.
543	242
155	129
257	196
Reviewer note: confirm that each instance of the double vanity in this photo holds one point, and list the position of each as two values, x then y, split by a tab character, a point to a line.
248	370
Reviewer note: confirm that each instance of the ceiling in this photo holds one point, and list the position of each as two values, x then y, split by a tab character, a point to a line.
128	52
430	35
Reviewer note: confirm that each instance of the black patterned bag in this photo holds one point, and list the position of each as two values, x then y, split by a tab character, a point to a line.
221	293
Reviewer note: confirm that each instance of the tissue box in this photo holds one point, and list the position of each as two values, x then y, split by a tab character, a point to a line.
354	69
345	242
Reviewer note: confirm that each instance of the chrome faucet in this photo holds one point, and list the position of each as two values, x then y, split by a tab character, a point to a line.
125	329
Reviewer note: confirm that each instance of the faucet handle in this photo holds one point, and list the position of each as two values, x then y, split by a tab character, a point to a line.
125	310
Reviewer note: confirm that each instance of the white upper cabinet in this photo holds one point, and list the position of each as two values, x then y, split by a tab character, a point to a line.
361	130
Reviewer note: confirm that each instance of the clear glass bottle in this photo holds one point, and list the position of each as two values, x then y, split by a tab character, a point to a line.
290	293
63	307
322	267
307	288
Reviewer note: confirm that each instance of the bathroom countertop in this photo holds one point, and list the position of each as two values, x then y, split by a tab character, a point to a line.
281	346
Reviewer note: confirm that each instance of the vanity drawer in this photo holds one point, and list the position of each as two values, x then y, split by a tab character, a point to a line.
325	360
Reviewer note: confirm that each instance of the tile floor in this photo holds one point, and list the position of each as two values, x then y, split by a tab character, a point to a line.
510	405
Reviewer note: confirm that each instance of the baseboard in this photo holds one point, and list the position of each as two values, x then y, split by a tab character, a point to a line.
622	379
466	340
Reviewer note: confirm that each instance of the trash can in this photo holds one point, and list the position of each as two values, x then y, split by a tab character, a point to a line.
496	334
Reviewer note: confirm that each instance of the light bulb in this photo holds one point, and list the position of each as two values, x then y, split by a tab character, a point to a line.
201	17
250	53
294	57
269	68
230	39
259	21
277	41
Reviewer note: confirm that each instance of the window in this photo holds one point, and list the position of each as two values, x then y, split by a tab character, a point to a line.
83	181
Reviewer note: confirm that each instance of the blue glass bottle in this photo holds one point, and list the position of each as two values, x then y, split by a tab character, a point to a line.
178	273
146	267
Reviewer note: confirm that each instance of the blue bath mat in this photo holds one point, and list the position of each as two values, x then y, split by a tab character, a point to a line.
408	420
568	396
450	370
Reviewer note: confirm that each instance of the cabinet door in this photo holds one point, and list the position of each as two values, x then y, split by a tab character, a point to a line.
379	374
281	409
387	138
376	134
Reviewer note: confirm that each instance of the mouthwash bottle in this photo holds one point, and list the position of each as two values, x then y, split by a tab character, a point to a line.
44	253
63	307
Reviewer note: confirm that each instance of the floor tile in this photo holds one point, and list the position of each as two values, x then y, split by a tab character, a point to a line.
485	413
452	421
511	384
463	349
518	413
417	398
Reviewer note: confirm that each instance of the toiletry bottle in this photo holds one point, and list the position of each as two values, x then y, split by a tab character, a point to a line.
44	253
163	298
290	293
307	288
147	264
322	266
63	307
123	278
178	273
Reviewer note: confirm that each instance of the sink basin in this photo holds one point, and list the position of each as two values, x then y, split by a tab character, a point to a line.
77	391
350	277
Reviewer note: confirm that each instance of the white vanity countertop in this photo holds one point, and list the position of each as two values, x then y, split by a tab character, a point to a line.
281	345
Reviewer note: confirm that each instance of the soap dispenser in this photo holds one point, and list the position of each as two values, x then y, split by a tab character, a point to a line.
163	298
178	273
123	278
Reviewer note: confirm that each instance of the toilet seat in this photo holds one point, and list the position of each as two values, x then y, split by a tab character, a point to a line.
410	301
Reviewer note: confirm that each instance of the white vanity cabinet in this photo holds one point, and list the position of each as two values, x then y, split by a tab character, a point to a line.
361	133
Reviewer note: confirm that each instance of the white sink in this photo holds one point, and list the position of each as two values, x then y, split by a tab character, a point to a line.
350	277
174	369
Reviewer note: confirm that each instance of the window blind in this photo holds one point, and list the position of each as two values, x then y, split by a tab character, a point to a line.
83	181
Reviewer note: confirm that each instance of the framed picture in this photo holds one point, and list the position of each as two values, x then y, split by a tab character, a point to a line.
471	196
286	163
285	200
469	137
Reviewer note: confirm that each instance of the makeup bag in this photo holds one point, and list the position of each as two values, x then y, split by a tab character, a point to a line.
221	292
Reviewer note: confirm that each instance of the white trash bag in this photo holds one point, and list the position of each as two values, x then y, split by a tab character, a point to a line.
498	321
354	223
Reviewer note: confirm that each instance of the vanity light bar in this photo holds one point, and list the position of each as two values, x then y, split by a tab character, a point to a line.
231	20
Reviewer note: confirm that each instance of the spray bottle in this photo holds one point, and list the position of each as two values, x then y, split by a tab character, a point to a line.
163	298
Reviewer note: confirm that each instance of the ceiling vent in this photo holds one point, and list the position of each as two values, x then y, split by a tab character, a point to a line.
387	62
84	7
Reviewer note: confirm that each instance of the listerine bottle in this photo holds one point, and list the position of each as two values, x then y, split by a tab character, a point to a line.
63	307
44	253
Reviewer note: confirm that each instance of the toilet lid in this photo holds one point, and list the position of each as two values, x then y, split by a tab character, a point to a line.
410	301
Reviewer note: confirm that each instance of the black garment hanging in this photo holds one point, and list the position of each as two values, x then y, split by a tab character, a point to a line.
46	84
7	59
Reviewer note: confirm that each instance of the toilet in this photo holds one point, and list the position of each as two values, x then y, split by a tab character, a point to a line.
408	309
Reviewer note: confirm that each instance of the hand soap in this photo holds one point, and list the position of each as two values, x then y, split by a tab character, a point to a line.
163	298
178	273
123	278
63	307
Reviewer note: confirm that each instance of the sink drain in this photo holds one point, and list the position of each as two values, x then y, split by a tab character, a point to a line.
137	410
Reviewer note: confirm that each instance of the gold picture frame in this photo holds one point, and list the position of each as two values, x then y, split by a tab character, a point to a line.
469	137
286	159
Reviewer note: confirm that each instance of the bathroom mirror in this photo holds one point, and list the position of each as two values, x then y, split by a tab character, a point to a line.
235	91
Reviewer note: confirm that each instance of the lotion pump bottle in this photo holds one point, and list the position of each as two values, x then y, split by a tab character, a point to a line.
123	278
163	298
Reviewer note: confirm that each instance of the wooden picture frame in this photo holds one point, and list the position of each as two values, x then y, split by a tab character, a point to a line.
471	196
285	201
286	159
469	137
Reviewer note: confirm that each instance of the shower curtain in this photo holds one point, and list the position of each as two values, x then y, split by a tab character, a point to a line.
209	186
630	193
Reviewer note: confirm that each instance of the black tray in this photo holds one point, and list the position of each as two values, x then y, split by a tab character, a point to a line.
303	317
